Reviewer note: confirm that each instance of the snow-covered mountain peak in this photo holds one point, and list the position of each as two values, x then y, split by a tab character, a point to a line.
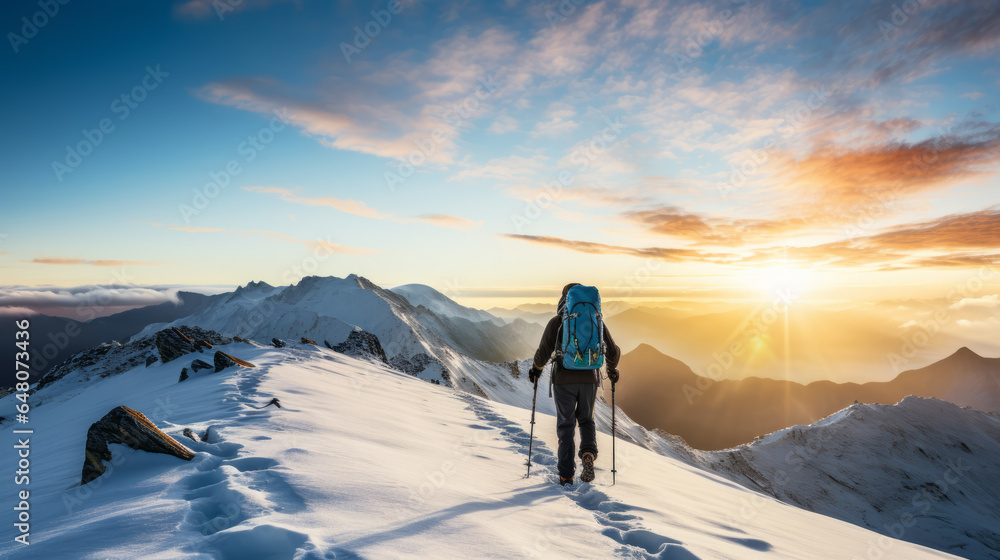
421	294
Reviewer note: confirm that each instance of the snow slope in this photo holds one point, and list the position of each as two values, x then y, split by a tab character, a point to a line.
328	309
365	462
923	470
419	294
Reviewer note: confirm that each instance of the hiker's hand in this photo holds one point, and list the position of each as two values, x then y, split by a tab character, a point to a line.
534	374
613	374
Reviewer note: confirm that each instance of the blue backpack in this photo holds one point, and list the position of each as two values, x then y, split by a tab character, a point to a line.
582	345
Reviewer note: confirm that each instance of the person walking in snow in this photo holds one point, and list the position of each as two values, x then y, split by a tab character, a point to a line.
581	343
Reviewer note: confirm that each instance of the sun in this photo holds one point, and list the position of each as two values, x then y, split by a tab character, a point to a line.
781	280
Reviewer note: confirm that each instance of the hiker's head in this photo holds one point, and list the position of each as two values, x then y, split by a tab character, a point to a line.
565	292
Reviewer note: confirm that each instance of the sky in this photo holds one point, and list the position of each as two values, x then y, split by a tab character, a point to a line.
498	150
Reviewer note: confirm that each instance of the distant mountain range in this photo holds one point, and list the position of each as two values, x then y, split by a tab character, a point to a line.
55	339
658	391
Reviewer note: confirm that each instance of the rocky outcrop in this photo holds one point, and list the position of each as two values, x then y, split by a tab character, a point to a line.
150	360
198	365
362	344
412	365
309	341
112	358
278	343
172	344
175	342
128	427
223	360
515	370
184	375
241	339
188	433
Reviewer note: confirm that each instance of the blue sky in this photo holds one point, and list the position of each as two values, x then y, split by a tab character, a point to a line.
869	141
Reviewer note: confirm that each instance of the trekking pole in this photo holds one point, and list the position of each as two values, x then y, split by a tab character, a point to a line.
613	470
531	440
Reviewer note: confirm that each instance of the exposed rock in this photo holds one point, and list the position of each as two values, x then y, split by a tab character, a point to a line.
362	344
208	436
172	344
200	365
273	401
240	339
308	341
151	360
184	375
479	390
129	427
412	365
515	370
191	435
278	343
112	358
175	342
328	345
223	360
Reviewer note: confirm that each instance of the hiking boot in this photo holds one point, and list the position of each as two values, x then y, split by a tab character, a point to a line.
588	467
563	481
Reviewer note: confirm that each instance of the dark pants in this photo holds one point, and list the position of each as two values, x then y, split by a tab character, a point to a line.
575	403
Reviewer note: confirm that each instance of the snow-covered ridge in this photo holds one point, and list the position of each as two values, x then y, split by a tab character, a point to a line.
362	461
462	352
923	470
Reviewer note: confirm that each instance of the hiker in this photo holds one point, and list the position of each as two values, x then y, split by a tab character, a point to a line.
576	373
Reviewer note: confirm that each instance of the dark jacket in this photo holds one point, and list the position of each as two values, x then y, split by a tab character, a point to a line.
563	376
550	338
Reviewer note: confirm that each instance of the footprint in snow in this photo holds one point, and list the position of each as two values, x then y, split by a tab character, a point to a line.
620	526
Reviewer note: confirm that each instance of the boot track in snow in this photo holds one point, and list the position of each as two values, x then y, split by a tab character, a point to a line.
620	524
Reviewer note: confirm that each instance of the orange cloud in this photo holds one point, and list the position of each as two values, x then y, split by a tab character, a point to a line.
662	253
837	180
78	261
454	222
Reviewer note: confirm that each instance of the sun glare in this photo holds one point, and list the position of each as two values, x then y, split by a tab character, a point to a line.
775	281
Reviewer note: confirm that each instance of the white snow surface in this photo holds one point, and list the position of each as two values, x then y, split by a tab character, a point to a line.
924	470
420	294
366	462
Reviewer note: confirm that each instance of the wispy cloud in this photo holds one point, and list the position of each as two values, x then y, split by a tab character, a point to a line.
212	9
347	206
79	261
327	245
106	295
453	222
